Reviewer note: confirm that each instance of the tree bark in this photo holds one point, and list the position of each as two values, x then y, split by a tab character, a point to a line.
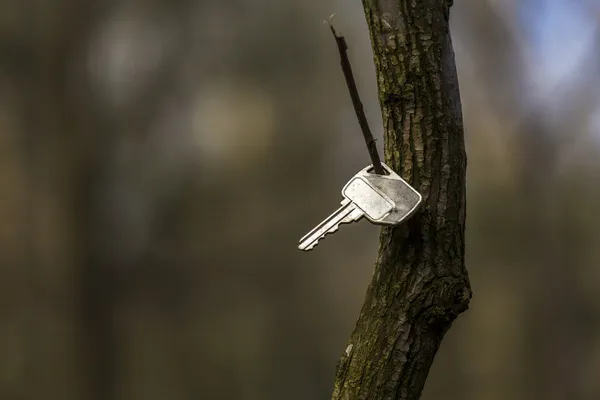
420	283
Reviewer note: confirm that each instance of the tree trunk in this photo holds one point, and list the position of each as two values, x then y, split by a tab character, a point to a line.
420	283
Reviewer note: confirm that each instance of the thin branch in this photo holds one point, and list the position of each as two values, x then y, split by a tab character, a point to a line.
358	107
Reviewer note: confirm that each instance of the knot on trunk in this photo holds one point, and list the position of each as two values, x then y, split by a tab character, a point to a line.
448	298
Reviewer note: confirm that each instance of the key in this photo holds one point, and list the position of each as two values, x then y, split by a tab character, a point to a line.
382	199
347	213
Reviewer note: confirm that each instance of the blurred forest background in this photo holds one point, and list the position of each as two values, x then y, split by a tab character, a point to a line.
160	159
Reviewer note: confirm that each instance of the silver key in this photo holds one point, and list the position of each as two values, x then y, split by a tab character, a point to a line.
347	213
393	189
382	199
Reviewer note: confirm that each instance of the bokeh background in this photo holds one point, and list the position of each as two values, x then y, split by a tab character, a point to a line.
160	160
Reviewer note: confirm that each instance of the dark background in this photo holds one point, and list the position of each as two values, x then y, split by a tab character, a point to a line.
160	160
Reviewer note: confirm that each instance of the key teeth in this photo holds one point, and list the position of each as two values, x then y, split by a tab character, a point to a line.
347	213
310	247
316	242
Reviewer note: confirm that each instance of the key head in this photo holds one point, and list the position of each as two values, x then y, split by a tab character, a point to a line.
384	199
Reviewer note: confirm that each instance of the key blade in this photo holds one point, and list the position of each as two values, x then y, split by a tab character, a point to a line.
329	225
348	212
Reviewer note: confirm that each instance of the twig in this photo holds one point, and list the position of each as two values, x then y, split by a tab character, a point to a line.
358	107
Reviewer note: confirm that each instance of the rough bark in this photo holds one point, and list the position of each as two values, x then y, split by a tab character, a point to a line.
420	283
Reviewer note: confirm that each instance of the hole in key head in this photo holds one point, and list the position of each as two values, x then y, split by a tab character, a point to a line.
371	170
